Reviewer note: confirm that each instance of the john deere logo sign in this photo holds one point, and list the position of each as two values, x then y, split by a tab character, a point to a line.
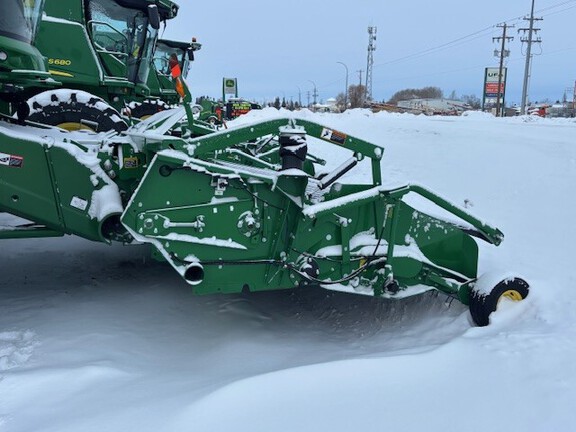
230	86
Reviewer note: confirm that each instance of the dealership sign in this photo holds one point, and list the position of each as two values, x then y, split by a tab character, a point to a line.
230	86
494	87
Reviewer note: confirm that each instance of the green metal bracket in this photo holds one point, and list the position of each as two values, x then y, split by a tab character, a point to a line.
486	232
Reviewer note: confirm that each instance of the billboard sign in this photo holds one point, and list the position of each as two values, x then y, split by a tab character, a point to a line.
492	92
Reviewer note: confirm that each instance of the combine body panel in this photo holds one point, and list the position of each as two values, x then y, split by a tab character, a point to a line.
23	69
57	183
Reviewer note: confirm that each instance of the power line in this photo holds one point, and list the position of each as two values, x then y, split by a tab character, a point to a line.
437	48
467	39
474	35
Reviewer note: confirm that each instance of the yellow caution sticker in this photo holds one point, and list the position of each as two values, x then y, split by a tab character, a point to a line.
130	162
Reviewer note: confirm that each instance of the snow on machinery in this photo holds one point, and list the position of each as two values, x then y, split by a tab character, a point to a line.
229	222
229	227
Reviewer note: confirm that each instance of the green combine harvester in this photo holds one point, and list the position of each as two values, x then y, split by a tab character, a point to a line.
160	82
101	52
228	226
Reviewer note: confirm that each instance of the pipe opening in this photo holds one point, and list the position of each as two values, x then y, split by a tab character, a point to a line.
194	274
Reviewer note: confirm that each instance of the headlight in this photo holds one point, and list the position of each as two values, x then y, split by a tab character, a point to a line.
3	56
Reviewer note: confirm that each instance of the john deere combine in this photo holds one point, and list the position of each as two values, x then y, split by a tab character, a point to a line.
102	49
226	225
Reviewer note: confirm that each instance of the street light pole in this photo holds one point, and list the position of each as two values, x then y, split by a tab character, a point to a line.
346	91
315	94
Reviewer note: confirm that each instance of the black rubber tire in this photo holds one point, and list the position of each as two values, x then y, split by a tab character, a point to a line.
75	107
482	305
146	108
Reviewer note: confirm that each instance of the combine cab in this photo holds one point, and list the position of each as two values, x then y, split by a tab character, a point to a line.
160	82
100	50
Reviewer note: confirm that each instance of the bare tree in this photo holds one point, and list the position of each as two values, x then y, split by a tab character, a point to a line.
356	95
422	93
340	102
472	100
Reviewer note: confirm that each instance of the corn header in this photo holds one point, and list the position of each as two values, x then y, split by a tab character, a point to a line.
239	209
228	220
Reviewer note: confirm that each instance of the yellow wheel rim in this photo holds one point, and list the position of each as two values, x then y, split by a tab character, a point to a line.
512	295
74	126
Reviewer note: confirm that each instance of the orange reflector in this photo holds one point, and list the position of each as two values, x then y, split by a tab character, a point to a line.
179	86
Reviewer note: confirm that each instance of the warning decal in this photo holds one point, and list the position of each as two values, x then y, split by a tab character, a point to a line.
79	203
11	160
333	136
131	162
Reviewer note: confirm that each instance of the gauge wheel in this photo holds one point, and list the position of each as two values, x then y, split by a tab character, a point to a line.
146	108
74	110
483	303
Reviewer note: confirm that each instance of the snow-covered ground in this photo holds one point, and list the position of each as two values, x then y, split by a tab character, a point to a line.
102	338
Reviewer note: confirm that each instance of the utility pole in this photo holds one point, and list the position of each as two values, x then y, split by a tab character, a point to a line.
299	97
502	53
315	92
529	40
360	74
370	62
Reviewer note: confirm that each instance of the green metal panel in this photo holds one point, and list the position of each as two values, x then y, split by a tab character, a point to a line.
69	52
21	55
59	186
188	212
27	189
23	73
71	10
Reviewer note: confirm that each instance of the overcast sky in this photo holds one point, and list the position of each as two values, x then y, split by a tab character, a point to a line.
284	48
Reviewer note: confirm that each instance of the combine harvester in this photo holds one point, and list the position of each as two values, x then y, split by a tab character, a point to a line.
101	51
227	226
